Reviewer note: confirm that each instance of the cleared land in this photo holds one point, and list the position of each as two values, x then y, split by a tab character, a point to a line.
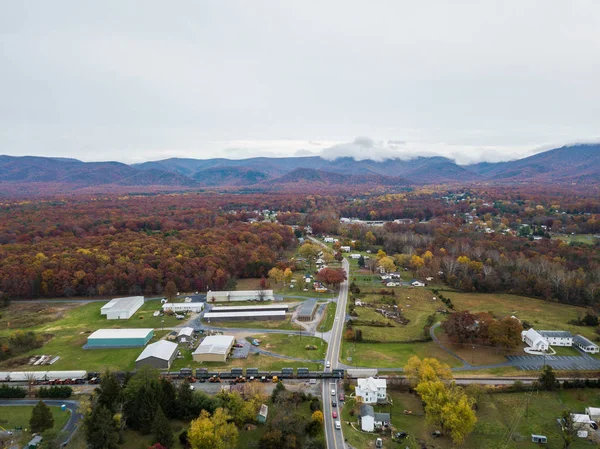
292	345
275	324
496	415
588	239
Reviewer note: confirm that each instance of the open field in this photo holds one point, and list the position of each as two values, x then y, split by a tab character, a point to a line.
577	238
496	414
69	333
266	324
328	317
18	416
292	345
392	355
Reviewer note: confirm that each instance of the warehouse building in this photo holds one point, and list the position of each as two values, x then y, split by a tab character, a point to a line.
242	295
307	310
122	308
158	355
183	306
214	348
257	308
185	335
119	338
241	316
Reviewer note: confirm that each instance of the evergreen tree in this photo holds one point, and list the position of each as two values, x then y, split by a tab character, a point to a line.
184	401
101	432
41	418
547	379
109	391
168	398
162	429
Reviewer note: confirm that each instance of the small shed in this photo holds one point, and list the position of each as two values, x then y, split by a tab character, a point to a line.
539	439
593	413
35	442
262	414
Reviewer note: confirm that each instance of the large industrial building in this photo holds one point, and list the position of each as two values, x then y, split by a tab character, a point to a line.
119	338
122	308
183	306
307	310
242	295
257	308
240	316
214	348
158	355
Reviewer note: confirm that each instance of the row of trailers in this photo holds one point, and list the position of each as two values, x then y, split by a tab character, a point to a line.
198	374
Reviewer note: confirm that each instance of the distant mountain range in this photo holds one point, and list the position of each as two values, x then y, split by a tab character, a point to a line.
579	164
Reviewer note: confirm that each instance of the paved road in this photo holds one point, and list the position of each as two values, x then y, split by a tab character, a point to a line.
69	428
334	438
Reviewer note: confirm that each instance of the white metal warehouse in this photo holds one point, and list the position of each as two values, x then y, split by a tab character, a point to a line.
214	348
122	308
239	316
183	306
241	295
257	308
158	355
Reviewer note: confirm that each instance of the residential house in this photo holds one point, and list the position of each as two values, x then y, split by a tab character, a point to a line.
393	284
416	283
328	239
354	256
345	249
369	420
371	390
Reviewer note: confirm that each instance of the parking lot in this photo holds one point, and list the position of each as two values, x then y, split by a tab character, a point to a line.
558	362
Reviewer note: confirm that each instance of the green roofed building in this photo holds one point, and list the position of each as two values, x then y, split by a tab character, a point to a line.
119	338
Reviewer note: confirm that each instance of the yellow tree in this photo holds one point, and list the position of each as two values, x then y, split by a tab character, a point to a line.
213	432
370	238
416	262
276	275
287	276
426	370
318	416
387	263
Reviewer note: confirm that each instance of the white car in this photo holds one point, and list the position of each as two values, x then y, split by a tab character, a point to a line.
338	425
332	392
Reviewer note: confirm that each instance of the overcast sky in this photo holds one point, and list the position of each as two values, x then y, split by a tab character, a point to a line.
145	80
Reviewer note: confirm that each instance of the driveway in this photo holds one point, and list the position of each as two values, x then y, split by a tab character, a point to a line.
69	428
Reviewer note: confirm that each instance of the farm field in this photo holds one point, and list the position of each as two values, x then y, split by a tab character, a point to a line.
292	345
578	238
18	416
70	328
495	416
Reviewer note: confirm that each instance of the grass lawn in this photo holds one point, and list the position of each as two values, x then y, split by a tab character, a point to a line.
292	345
565	350
248	284
254	360
69	333
18	416
392	355
578	238
496	414
328	317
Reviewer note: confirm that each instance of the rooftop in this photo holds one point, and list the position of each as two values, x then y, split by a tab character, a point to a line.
186	331
215	344
556	334
162	349
371	384
256	314
123	303
366	410
581	340
120	333
248	308
307	307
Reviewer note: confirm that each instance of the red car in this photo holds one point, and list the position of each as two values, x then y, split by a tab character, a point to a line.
334	414
342	397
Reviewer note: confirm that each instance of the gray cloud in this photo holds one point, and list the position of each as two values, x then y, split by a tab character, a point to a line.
141	80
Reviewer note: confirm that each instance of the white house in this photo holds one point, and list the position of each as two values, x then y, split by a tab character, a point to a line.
355	256
345	249
393	284
557	338
535	340
122	308
369	420
328	239
593	413
585	345
417	284
371	390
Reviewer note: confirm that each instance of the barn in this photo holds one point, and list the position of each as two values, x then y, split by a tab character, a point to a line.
307	310
119	338
158	355
214	348
122	308
240	295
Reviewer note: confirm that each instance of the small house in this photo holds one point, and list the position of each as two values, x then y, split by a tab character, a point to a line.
369	420
539	439
417	284
345	249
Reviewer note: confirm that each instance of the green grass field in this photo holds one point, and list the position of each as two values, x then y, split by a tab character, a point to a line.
254	360
69	334
588	239
292	345
391	355
328	317
18	416
496	414
275	324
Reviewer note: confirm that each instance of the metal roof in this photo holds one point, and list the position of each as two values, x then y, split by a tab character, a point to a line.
255	314
126	303
248	308
162	349
120	333
556	334
187	331
581	340
215	344
366	410
307	307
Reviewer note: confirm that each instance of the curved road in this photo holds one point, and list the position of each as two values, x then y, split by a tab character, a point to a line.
71	425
